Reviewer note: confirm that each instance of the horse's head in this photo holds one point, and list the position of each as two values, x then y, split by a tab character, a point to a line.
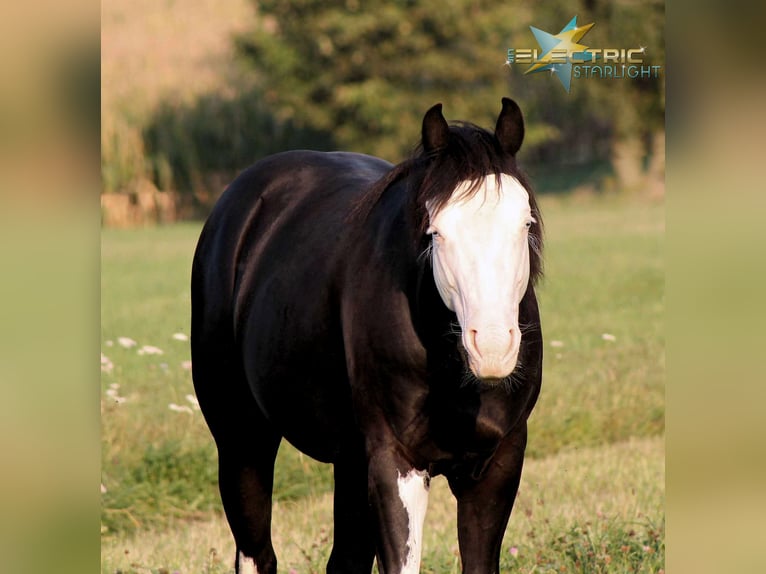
485	233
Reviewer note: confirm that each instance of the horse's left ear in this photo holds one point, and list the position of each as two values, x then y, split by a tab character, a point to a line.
509	130
435	129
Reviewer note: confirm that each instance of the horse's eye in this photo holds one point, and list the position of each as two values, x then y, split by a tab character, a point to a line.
432	232
528	224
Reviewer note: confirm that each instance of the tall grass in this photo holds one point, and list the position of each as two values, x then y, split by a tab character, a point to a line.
201	146
155	54
177	110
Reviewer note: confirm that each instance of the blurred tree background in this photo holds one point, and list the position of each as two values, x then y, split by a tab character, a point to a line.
358	75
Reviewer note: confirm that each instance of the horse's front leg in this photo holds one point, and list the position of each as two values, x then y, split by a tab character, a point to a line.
399	498
484	505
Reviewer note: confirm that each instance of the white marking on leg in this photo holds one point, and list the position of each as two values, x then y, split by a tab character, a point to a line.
413	492
246	565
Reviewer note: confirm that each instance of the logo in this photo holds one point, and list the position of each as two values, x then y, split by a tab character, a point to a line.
564	56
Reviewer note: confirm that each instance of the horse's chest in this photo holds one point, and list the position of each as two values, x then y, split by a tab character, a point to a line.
455	438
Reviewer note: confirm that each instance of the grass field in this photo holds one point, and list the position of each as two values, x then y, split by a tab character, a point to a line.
592	494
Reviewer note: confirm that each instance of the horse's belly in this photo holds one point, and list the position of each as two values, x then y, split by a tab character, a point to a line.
302	389
313	415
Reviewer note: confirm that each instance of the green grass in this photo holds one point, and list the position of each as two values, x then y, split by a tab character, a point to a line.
604	274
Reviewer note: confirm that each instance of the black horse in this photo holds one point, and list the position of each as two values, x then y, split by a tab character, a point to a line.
381	318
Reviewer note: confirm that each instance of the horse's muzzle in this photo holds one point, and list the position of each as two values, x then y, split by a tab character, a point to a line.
492	354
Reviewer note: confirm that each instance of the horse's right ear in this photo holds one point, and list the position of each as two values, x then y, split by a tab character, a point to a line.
509	130
435	129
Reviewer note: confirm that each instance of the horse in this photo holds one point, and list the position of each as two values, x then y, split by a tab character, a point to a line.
381	318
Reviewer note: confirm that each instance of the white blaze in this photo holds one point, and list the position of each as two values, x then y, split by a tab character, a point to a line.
247	565
481	269
413	492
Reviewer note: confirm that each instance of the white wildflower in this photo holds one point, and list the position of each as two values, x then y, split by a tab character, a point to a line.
179	408
109	343
608	337
186	365
113	393
557	344
194	402
126	342
180	337
150	350
106	364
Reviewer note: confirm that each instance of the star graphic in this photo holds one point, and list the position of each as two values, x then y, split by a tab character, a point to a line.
566	40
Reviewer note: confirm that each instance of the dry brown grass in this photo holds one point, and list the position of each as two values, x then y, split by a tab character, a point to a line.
153	52
169	48
620	484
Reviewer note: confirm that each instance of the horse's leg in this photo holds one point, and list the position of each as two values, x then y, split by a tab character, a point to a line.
247	448
399	497
353	549
246	478
484	505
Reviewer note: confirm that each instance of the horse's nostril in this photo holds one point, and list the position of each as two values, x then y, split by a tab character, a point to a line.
511	341
473	333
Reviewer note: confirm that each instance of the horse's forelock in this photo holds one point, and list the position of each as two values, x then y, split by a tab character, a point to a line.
471	155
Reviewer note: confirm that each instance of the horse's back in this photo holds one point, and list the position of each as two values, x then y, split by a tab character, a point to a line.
286	209
263	286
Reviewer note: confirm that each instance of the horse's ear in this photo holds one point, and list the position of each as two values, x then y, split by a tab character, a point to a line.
509	130
435	129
